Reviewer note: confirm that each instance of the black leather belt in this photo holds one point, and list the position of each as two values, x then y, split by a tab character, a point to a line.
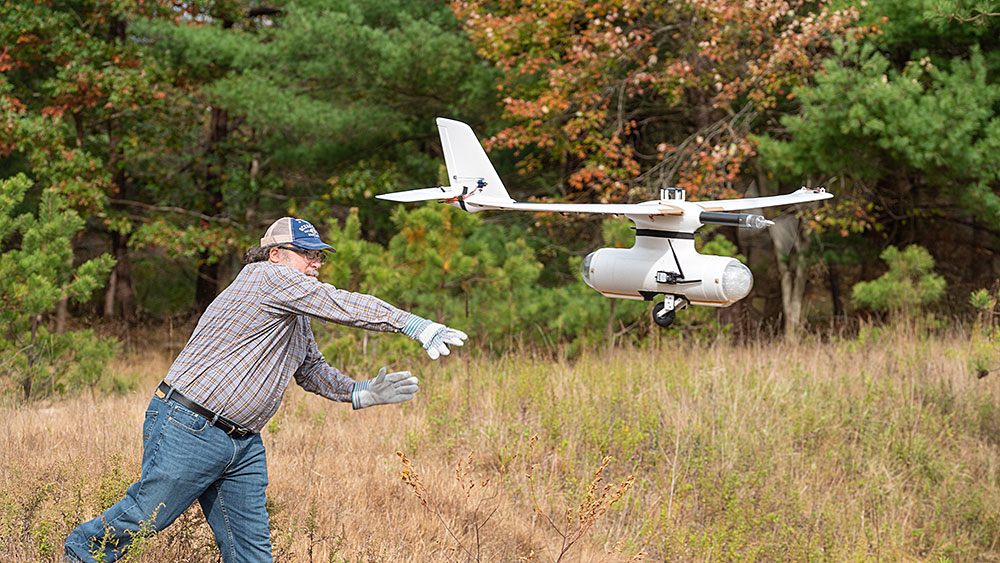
164	390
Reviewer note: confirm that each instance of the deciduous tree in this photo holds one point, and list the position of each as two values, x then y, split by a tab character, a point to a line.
626	97
75	92
630	94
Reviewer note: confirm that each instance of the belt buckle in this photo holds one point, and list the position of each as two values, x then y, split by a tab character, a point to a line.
233	429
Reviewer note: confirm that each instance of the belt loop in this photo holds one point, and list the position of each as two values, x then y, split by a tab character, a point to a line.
170	391
214	419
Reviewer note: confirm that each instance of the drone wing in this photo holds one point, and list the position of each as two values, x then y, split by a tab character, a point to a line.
647	208
476	186
449	194
802	195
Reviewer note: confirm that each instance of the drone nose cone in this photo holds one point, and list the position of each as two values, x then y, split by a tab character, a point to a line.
737	281
585	268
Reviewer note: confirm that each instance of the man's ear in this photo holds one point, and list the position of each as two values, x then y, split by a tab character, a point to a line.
274	255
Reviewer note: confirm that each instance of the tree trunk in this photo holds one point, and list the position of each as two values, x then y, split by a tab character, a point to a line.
610	334
62	312
120	296
788	246
207	283
109	295
32	354
120	289
834	277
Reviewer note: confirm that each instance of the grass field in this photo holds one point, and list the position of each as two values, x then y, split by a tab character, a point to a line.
881	447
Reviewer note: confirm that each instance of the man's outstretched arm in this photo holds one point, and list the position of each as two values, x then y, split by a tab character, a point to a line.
296	293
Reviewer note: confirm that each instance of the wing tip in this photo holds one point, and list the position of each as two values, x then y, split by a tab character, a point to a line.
820	192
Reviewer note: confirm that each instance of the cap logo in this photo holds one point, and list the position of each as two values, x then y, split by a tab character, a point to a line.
309	230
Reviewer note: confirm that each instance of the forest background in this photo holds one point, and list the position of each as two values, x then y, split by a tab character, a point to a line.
145	144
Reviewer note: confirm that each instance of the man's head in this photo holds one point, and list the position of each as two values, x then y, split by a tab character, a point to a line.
295	243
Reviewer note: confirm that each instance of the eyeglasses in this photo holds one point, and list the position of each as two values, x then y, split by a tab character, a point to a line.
310	255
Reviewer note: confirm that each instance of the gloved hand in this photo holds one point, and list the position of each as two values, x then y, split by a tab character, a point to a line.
384	389
434	336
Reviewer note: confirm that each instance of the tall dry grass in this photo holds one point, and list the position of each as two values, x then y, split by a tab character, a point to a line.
881	447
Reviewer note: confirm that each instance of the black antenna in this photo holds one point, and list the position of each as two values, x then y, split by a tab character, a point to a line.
676	261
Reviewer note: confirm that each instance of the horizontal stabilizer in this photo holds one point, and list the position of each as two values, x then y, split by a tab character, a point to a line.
423	194
802	195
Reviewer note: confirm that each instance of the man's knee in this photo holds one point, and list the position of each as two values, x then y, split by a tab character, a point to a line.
77	548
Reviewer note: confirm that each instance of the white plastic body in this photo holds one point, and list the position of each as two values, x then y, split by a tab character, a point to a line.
627	273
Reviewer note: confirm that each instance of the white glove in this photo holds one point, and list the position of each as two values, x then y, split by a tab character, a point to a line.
384	389
434	336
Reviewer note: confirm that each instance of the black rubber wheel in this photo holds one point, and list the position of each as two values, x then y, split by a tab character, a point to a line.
665	320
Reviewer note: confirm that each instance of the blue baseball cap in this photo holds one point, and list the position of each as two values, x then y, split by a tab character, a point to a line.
289	230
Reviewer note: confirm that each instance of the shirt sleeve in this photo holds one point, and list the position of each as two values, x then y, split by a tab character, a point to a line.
287	291
317	376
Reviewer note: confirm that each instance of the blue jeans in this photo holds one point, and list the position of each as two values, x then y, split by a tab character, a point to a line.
185	458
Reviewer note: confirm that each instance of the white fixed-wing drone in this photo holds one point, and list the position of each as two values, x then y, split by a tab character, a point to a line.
663	260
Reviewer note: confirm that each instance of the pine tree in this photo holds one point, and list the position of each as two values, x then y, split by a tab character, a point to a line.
36	271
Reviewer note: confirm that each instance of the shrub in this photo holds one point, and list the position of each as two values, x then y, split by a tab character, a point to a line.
908	286
36	272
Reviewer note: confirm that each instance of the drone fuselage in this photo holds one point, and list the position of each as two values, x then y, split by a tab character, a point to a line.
664	261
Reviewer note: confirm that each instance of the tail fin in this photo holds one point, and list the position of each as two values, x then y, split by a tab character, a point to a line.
470	172
467	162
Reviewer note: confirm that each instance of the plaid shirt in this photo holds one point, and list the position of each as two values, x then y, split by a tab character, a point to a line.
256	335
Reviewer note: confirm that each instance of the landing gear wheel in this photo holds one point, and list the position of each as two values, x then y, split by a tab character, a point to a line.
665	320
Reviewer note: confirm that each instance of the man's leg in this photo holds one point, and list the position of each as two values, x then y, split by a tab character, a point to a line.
182	455
234	506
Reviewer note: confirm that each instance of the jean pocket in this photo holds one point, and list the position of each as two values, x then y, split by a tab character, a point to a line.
187	420
147	425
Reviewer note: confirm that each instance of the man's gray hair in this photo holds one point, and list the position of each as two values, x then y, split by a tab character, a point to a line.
258	254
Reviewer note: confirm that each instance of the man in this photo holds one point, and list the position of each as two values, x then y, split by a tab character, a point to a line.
201	436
